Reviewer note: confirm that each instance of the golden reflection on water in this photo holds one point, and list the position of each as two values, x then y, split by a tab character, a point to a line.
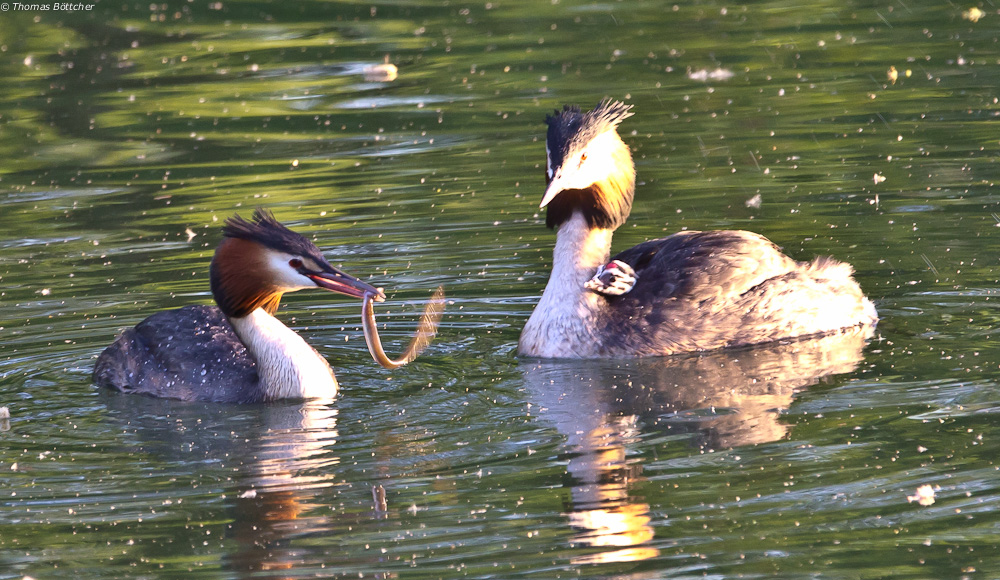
727	398
602	513
282	473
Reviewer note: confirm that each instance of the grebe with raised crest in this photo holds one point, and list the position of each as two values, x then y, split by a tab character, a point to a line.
236	352
692	291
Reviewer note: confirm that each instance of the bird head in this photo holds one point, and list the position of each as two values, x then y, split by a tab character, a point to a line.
257	261
588	168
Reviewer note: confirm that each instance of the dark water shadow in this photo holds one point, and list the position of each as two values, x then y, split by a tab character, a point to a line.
718	400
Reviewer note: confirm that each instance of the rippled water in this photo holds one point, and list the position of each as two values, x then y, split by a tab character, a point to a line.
866	131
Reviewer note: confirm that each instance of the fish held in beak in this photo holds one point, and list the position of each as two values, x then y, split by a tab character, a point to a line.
426	330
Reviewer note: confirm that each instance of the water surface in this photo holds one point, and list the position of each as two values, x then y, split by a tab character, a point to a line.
864	131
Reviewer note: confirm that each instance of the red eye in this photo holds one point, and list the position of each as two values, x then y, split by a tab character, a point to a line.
295	263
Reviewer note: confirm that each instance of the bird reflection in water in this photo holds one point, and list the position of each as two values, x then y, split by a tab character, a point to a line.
601	511
274	461
723	399
274	504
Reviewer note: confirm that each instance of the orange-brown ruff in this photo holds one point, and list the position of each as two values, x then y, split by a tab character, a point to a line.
239	268
691	291
237	352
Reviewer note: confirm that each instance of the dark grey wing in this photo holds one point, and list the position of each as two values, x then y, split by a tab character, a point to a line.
191	353
704	265
688	289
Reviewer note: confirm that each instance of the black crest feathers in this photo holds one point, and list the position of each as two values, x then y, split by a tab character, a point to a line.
571	129
268	231
238	274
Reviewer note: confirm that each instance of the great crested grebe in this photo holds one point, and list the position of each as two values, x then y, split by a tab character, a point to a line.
237	352
691	291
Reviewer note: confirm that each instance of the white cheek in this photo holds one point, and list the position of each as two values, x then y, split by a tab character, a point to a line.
548	162
585	173
284	276
583	176
598	165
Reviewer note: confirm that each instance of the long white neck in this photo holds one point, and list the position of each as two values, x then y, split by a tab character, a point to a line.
287	366
563	323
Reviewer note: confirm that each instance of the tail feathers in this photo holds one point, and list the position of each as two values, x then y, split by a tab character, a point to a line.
830	268
117	367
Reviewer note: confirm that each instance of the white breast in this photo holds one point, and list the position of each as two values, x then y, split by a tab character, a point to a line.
563	323
288	367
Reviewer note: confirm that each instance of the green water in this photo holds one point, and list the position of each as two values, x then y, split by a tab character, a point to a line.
129	131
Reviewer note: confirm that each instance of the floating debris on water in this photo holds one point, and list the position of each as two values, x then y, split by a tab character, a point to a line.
705	75
973	14
380	73
893	74
924	495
